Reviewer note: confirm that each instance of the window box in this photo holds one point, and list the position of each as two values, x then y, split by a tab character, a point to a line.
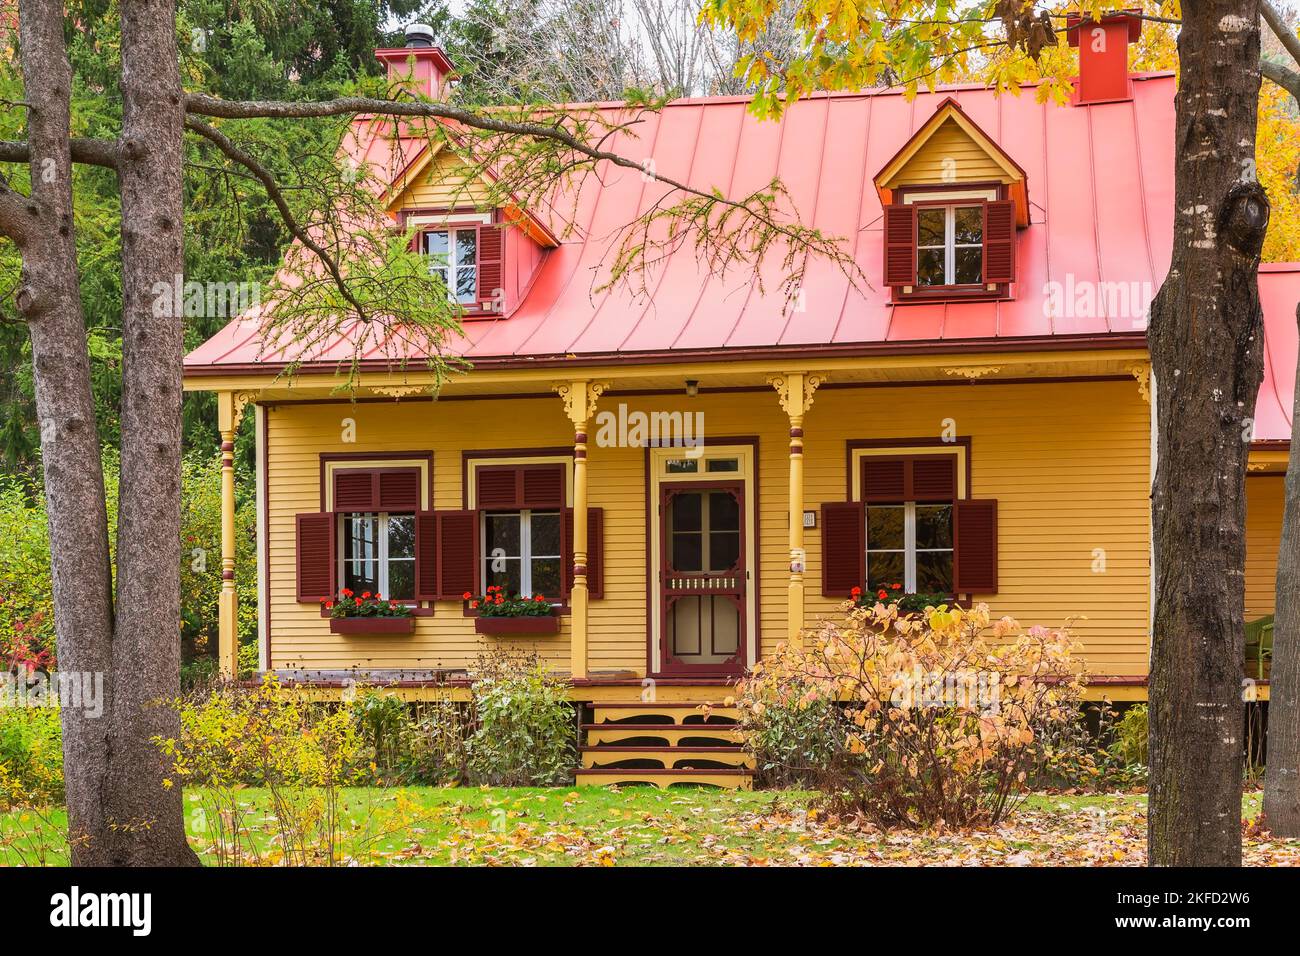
372	625
518	626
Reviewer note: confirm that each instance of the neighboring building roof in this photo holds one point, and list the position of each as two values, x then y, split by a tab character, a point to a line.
1101	219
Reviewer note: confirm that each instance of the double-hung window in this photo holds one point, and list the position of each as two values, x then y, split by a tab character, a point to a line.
910	543
949	245
379	554
453	257
522	551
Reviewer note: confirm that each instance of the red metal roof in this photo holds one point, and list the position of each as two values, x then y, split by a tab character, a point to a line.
1100	182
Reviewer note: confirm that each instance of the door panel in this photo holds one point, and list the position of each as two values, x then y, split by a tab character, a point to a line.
703	577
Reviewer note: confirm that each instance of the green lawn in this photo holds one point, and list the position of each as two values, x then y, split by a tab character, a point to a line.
644	826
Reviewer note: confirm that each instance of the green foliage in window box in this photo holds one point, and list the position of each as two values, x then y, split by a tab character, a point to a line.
496	603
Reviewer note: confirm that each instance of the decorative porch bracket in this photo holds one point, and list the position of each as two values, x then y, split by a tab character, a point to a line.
230	411
579	399
795	390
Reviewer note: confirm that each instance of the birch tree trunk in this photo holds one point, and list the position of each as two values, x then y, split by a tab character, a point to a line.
1206	343
1282	777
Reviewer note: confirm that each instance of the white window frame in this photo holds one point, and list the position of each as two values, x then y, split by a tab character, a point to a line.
453	265
910	550
950	244
526	556
344	519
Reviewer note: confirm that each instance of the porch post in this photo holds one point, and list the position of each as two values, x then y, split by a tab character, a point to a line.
579	404
795	390
230	409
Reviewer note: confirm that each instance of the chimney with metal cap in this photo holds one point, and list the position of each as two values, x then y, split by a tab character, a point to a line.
421	67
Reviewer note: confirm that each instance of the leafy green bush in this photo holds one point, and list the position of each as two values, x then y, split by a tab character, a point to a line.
525	726
31	757
793	731
1130	743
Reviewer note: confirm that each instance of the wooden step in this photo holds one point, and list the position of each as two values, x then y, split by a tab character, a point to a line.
671	735
671	758
737	779
675	711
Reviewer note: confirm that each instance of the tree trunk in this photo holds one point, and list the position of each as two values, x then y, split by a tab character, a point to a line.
1206	343
150	826
49	299
1282	779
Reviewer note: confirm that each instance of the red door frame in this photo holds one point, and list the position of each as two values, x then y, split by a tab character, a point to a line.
737	664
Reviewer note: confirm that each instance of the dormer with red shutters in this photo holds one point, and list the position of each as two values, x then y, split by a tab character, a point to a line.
485	256
953	200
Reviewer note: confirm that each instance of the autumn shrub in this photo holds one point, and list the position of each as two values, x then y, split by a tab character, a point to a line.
794	731
437	750
946	713
304	753
1129	743
525	728
31	757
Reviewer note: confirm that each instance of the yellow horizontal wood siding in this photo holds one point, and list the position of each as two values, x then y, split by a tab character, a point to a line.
445	184
1264	502
1067	462
949	156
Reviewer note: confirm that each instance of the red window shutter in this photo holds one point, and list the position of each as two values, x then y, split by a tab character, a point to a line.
844	550
497	486
975	548
900	245
595	552
1000	241
399	490
542	486
355	489
884	479
934	478
315	553
490	242
426	556
457	560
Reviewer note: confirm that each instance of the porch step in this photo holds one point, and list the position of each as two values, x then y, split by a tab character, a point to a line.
661	735
668	758
733	779
671	712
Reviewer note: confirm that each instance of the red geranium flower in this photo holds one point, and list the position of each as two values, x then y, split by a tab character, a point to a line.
465	596
895	586
882	594
365	595
856	592
473	605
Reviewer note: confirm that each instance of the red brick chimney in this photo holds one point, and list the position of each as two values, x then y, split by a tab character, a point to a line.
1103	55
420	66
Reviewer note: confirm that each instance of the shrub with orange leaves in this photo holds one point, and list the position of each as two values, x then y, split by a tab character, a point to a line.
943	714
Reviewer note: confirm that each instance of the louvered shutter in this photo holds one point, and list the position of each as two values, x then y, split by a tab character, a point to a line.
595	552
399	489
315	556
933	478
497	486
542	486
884	479
1000	241
975	548
355	490
900	245
457	558
844	551
426	556
490	242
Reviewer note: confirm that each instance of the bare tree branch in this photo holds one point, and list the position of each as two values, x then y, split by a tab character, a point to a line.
276	195
1285	34
1284	77
90	152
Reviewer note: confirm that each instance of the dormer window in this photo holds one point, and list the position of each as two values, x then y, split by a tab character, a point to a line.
453	257
465	250
949	245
